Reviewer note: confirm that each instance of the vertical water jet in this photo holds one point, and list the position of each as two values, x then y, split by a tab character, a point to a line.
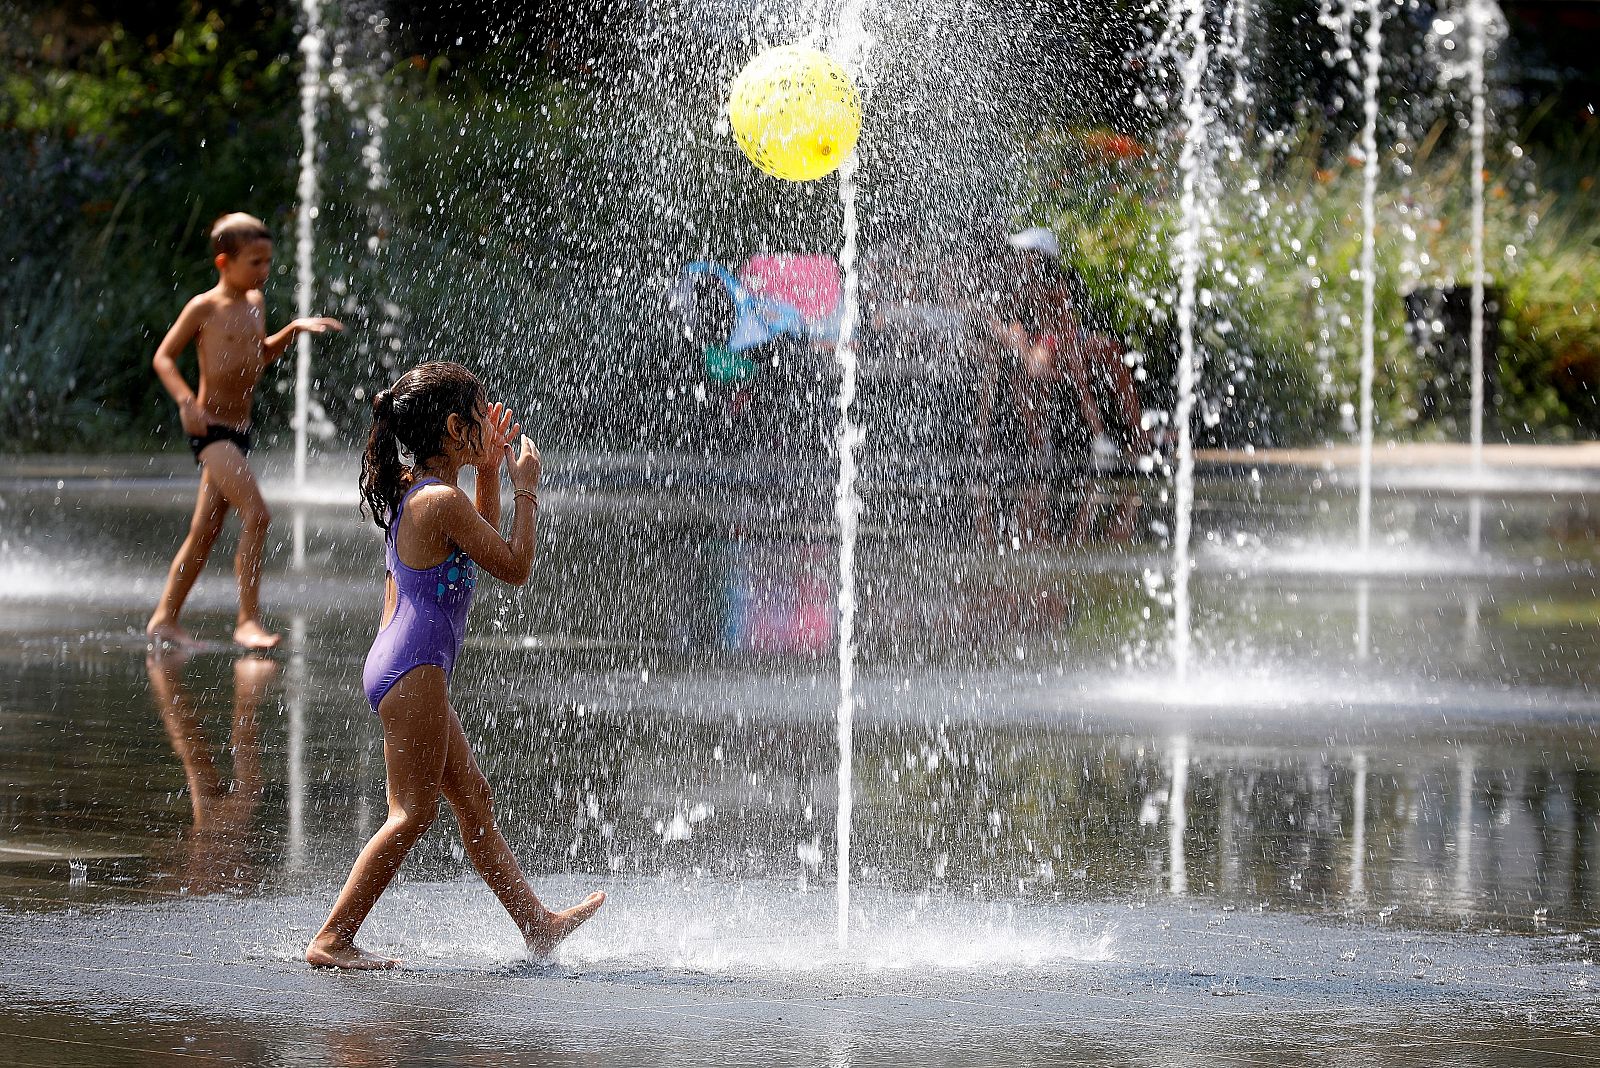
850	46
1476	31
1178	817
847	512
308	197
1190	15
1372	62
1358	841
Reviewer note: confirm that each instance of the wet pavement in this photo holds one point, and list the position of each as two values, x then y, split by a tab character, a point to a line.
1365	830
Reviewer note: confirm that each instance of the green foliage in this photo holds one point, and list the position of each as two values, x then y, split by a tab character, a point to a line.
1114	203
1550	338
114	165
193	85
523	229
1280	318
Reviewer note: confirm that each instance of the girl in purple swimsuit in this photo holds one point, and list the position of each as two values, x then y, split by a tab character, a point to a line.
435	542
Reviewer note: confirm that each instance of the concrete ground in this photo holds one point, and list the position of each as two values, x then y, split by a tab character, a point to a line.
1361	832
213	981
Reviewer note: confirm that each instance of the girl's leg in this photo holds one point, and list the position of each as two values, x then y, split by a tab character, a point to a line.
467	790
1077	372
986	361
1107	353
416	717
1083	520
210	509
1033	385
1122	525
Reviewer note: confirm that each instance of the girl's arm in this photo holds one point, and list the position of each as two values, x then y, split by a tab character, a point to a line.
166	365
487	491
273	347
486	494
509	559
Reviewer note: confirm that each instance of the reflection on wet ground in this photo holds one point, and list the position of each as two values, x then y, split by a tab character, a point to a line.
1375	807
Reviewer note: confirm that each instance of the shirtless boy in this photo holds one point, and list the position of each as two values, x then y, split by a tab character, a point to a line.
228	325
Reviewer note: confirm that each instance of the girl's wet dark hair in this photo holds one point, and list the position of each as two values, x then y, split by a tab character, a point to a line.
412	414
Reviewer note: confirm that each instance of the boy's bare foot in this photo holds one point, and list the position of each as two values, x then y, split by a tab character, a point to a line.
252	635
346	955
162	634
543	941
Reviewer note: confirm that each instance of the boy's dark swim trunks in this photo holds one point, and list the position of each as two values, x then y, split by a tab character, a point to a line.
215	433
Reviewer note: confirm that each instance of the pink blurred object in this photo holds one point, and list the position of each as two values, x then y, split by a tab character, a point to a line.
780	599
810	284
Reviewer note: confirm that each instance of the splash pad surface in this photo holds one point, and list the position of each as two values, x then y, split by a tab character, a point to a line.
1306	850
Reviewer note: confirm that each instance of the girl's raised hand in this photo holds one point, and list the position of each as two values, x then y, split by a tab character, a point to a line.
502	431
524	467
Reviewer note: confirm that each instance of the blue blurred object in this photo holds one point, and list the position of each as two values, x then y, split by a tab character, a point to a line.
756	321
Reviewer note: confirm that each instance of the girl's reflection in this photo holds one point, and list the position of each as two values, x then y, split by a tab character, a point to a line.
1038	513
213	855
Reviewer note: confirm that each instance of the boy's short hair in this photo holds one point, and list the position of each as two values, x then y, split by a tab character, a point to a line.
234	231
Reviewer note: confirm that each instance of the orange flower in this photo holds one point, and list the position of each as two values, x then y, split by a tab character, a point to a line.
1110	145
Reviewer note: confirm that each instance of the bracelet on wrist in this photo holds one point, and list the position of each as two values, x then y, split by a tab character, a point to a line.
532	495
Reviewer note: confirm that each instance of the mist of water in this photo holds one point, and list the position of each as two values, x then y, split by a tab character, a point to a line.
361	55
1358	840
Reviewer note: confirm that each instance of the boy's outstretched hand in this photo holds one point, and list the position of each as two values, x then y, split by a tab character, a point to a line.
319	324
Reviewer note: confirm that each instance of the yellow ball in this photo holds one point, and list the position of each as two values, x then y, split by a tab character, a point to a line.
795	113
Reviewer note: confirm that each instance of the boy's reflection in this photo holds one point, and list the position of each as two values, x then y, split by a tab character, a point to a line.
213	855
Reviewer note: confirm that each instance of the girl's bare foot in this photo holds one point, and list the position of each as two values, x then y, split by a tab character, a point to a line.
165	634
252	635
543	940
320	954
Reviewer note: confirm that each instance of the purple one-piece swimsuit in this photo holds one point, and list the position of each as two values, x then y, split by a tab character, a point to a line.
430	615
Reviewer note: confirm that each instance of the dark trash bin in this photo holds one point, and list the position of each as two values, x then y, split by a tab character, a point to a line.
1439	324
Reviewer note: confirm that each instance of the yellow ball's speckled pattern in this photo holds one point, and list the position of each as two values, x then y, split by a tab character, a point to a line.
795	113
